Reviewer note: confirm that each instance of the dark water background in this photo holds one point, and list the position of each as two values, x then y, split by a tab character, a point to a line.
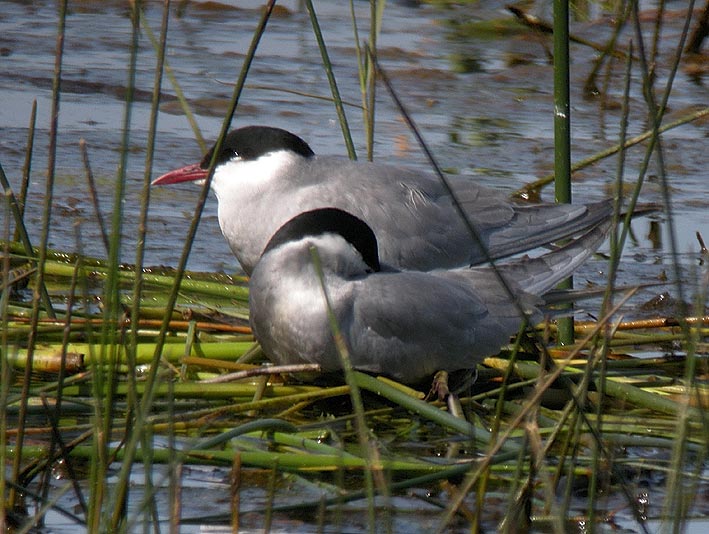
483	103
493	122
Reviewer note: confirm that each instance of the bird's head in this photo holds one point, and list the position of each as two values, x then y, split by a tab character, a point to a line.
246	144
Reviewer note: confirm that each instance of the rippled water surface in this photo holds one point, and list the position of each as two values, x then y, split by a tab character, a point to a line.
482	101
492	122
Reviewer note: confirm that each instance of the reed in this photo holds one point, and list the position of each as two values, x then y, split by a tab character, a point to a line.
327	65
562	135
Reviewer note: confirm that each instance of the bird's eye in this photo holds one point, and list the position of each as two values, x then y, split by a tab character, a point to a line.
228	154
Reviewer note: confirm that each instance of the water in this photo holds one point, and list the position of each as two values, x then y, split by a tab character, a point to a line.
492	121
493	124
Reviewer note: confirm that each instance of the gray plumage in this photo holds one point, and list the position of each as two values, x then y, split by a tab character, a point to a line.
266	176
404	324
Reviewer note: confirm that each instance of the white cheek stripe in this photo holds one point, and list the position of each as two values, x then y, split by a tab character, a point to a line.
238	173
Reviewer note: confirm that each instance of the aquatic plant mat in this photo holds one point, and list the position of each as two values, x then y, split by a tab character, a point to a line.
541	437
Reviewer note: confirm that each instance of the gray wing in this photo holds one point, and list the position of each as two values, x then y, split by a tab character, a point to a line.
417	224
538	225
410	325
538	275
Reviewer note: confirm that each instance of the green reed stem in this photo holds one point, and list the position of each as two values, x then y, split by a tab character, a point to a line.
621	18
138	281
15	209
546	180
656	113
496	422
373	473
613	263
305	94
376	10
5	375
260	425
27	167
184	104
39	295
55	414
116	501
473	476
677	504
327	64
562	136
683	487
362	62
217	289
460	212
93	194
149	155
263	459
151	382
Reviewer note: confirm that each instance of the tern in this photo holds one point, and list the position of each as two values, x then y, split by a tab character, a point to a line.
265	176
404	324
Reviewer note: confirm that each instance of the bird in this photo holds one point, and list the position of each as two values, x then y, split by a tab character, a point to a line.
404	324
265	176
